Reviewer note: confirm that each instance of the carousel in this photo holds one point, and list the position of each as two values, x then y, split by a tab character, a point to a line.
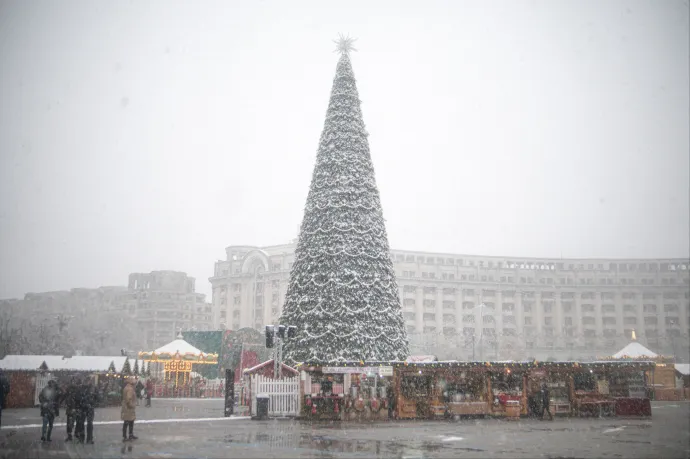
177	358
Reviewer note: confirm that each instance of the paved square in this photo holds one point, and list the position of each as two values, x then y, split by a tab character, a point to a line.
176	433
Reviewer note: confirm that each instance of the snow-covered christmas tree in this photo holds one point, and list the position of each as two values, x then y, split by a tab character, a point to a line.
342	295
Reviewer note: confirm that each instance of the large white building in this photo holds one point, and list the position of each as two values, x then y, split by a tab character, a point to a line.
460	306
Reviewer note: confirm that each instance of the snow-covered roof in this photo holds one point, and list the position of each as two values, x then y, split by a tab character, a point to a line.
94	363
178	346
27	362
634	350
267	363
683	368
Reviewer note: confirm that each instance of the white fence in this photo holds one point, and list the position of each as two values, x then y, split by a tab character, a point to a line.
283	395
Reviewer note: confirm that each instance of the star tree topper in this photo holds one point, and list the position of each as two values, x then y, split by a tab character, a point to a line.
344	44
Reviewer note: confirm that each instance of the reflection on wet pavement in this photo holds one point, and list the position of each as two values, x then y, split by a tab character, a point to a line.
395	447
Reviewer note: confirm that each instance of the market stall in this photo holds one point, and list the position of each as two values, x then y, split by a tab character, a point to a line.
507	388
349	391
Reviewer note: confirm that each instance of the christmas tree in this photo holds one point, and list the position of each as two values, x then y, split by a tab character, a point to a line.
126	368
136	367
342	294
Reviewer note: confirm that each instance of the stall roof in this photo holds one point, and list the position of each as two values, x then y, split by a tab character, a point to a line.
255	368
683	368
60	363
27	362
505	363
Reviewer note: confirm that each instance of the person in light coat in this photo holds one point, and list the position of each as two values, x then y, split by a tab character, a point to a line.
129	404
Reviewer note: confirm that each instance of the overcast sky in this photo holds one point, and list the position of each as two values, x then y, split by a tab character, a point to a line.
139	136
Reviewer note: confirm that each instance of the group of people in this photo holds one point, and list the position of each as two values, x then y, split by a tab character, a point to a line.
80	400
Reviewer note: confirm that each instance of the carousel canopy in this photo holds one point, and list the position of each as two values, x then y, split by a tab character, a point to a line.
179	349
635	350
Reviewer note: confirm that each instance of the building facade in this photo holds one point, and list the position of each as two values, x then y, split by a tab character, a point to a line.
482	307
155	306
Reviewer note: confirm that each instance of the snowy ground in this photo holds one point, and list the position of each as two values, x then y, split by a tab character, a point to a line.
666	434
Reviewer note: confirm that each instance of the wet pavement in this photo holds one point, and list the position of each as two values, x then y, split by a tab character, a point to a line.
666	434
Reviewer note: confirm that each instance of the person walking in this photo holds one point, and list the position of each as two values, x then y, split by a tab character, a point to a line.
545	402
49	398
69	400
149	392
128	414
4	392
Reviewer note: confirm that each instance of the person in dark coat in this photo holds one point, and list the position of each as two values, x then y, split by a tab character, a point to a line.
49	398
545	402
4	392
69	400
149	392
139	390
85	411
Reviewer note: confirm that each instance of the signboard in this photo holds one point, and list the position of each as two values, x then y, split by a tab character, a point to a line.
386	371
383	371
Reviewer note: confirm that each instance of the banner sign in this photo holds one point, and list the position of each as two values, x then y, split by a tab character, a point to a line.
382	371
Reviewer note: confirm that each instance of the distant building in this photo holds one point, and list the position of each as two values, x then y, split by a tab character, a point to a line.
157	305
504	307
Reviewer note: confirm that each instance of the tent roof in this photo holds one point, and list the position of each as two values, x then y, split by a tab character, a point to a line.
634	350
683	368
178	346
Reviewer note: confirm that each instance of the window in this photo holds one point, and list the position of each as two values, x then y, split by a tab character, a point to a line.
409	289
429	290
448	318
409	302
429	303
630	321
432	275
649	308
449	291
507	307
429	316
547	308
528	321
567	306
670	308
409	316
548	320
468	318
568	321
449	305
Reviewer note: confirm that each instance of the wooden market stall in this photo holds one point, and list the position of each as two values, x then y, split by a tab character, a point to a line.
177	357
346	391
611	388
